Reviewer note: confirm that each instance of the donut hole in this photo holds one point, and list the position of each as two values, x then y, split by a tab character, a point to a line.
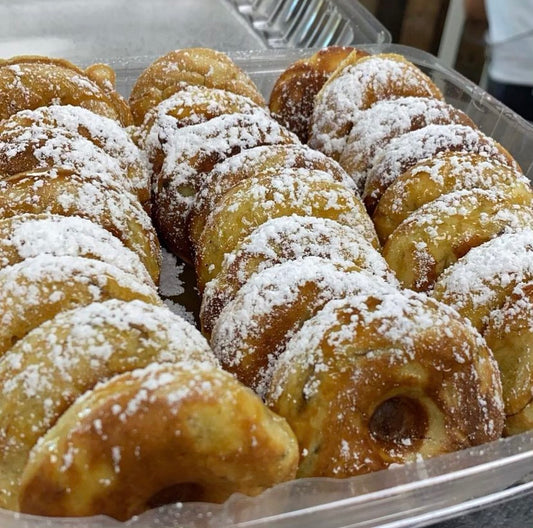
181	492
399	422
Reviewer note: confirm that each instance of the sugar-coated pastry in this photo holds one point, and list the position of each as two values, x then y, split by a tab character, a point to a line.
385	378
486	276
256	200
293	94
509	334
28	82
67	193
357	85
44	373
38	288
176	69
266	159
430	178
190	106
253	329
166	433
387	119
282	239
440	232
193	152
404	151
30	235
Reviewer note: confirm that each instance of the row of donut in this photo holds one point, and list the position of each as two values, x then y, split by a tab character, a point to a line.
100	380
450	205
297	300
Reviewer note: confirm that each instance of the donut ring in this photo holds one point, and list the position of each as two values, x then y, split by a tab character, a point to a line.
267	159
387	119
201	66
66	193
509	335
404	151
38	288
191	428
433	177
69	354
193	152
29	82
192	105
282	239
441	232
292	97
377	379
356	85
30	235
253	329
61	135
255	200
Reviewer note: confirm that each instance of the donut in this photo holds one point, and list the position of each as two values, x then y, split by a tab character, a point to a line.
387	119
192	105
430	178
50	136
255	200
44	373
266	159
441	232
203	436
404	151
253	329
282	239
356	85
30	235
193	152
292	97
66	193
28	82
509	335
38	288
486	276
382	378
176	69
37	139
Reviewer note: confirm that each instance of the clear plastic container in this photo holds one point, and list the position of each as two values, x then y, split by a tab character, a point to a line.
414	495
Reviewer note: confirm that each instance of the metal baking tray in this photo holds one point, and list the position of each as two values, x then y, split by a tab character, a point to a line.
129	35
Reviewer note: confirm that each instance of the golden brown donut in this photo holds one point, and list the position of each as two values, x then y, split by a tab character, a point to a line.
202	435
282	239
356	85
266	159
486	276
385	378
30	235
38	288
404	151
387	119
77	139
509	335
433	177
255	200
192	105
28	82
253	329
193	152
292	97
441	232
44	373
201	66
66	193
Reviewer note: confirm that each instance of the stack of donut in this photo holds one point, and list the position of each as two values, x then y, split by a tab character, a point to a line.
109	403
296	299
